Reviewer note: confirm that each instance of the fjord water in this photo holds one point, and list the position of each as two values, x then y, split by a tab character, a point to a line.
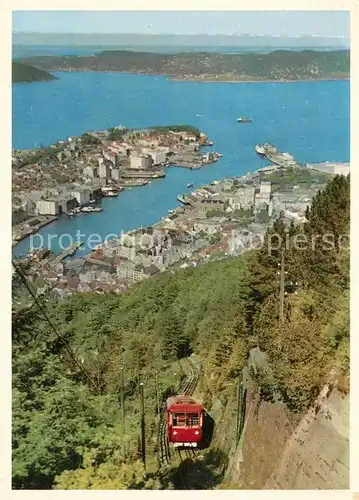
308	119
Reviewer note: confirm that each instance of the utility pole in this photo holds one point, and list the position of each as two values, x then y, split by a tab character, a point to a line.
157	394
143	430
123	400
239	402
281	288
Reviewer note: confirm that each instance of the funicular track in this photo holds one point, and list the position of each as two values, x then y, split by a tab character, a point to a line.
187	388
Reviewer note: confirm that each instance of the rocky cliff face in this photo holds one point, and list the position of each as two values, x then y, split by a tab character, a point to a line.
280	451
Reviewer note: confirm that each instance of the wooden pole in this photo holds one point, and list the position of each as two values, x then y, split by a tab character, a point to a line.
123	401
143	429
281	291
157	394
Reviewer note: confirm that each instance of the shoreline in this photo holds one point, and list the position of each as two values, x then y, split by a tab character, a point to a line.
179	78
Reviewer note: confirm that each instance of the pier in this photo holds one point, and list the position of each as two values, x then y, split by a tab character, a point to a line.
272	154
144	174
71	250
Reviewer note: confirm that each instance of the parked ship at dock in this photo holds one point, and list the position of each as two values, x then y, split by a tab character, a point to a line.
275	156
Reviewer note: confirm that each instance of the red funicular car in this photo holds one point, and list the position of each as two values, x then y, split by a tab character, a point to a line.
184	421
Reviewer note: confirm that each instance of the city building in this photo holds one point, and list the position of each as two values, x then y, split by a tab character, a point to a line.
91	171
242	198
210	227
67	203
135	272
47	207
115	174
104	171
331	168
82	195
159	156
141	161
207	205
265	189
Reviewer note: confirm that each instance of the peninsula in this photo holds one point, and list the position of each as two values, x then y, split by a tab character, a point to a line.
280	65
24	73
71	175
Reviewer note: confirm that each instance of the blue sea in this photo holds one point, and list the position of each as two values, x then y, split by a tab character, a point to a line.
308	119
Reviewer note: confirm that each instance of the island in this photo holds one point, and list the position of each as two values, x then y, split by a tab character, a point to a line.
279	65
24	73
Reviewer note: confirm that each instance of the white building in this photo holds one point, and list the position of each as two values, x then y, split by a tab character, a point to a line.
82	195
265	189
159	156
47	207
104	171
115	174
141	161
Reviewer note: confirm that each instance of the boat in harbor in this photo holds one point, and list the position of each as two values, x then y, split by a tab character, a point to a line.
91	209
182	199
190	184
244	119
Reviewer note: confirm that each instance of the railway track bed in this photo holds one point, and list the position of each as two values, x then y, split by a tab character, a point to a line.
187	388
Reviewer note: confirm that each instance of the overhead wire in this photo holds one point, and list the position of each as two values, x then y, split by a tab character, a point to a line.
68	349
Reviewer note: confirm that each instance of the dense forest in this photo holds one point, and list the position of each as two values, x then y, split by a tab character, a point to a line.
67	429
23	73
277	65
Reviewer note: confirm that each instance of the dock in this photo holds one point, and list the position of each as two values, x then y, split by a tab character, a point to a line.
71	250
275	156
143	174
26	229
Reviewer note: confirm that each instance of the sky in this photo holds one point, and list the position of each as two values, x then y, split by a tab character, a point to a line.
320	23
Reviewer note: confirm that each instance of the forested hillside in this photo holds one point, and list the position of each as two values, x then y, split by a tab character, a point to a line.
66	414
25	73
277	65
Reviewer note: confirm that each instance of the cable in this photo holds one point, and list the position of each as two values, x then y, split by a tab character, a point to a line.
42	310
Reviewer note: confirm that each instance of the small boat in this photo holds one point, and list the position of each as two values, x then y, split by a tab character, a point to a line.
244	119
190	184
210	143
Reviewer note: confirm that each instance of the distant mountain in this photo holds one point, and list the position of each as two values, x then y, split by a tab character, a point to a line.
26	73
132	39
281	65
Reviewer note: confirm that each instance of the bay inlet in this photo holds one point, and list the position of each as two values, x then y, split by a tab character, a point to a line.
308	119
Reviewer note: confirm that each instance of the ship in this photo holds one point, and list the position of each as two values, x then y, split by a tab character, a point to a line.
244	119
182	198
190	184
260	149
91	209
